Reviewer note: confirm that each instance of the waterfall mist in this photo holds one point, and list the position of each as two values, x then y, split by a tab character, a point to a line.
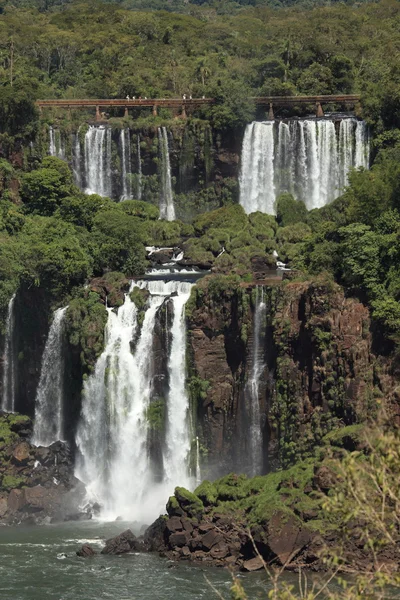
307	158
113	435
49	402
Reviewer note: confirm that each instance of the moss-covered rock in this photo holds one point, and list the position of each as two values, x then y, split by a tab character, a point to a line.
207	492
189	503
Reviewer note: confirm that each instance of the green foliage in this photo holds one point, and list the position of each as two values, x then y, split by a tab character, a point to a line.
207	492
85	321
189	503
155	414
290	211
10	482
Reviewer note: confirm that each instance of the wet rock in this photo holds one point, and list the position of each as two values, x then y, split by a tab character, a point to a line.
155	536
210	539
120	544
16	500
254	564
179	539
174	524
3	504
21	453
287	536
86	551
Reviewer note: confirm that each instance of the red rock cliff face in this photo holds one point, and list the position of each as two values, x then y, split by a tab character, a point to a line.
319	371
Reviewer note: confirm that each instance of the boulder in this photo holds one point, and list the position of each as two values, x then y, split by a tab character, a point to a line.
210	539
120	544
179	539
3	504
254	564
287	536
155	536
16	500
86	551
220	550
21	452
174	524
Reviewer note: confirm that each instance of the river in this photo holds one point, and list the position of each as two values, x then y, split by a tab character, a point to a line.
40	563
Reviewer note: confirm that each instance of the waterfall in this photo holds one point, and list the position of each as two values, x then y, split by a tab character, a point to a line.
98	161
257	190
307	157
113	433
139	174
167	209
76	159
126	170
177	430
56	147
253	413
49	405
8	400
198	470
362	149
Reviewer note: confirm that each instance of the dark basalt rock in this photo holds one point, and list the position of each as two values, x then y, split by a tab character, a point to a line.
123	543
86	551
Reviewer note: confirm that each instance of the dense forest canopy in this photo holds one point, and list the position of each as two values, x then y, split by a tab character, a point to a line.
105	50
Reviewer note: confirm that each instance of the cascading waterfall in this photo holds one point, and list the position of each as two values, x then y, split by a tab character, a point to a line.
98	161
257	189
167	209
8	399
126	170
309	158
114	430
254	459
177	429
49	403
139	173
76	160
56	147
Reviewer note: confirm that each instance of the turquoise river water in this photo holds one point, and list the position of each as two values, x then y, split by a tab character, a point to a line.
40	563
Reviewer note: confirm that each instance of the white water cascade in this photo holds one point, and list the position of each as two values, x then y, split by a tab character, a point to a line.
177	429
309	158
114	428
126	165
76	160
253	413
139	173
49	402
98	161
56	146
167	209
8	399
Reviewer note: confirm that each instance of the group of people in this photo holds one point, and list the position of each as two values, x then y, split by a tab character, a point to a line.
184	97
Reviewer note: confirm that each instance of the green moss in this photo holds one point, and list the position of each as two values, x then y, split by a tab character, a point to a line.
9	482
346	437
155	414
190	503
207	492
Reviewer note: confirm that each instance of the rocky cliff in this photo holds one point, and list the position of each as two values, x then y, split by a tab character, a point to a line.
319	371
36	483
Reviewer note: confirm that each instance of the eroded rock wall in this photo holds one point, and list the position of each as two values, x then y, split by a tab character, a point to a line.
319	370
